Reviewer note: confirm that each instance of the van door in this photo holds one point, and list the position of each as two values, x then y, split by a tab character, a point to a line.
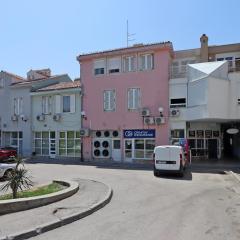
175	158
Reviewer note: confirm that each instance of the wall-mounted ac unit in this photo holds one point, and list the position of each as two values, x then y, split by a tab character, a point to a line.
57	117
159	120
149	120
14	117
84	132
40	117
145	112
174	112
24	117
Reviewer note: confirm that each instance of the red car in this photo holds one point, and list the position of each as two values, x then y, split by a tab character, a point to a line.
6	153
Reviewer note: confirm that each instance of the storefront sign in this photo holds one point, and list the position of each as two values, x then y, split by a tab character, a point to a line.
232	131
208	133
139	133
200	133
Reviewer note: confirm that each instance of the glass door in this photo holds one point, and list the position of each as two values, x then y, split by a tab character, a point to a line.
128	150
52	145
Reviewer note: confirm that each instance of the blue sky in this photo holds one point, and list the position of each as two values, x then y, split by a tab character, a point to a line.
51	33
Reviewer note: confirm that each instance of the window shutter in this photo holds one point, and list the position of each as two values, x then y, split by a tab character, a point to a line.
43	104
57	104
50	104
142	62
132	62
105	100
20	105
15	106
112	100
72	103
149	61
130	98
126	64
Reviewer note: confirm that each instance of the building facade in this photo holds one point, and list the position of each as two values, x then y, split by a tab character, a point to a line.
125	101
204	90
16	114
56	120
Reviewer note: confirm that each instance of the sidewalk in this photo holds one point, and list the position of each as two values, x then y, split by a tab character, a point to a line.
91	196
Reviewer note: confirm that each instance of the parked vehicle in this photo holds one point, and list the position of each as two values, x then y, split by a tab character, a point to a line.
6	169
169	158
6	153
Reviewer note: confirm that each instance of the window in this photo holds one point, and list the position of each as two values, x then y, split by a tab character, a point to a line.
46	104
229	59
16	141
69	144
18	106
109	100
133	98
146	62
177	102
129	64
99	67
237	63
66	103
177	133
114	65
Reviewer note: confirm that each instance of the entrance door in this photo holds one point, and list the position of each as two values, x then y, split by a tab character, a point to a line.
52	145
128	150
212	148
116	150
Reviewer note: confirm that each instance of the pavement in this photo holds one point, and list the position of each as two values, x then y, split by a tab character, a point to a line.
92	195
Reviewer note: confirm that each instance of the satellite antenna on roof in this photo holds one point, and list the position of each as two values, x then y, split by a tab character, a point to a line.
129	36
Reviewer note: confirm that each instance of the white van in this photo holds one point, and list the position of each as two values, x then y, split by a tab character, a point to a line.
169	158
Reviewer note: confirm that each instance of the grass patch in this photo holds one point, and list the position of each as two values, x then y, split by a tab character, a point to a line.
51	188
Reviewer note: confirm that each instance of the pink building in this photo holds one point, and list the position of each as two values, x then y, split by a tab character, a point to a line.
125	101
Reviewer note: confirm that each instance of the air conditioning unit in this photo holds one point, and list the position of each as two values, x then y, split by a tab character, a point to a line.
159	120
149	120
174	112
145	112
84	132
24	118
57	117
14	117
40	117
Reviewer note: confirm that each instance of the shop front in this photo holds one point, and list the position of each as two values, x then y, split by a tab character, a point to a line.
138	144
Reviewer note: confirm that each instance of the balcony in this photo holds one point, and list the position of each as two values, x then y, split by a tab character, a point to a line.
180	71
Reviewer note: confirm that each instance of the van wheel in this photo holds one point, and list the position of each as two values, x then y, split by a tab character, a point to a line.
155	172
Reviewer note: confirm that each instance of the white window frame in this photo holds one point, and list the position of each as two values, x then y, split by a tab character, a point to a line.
63	97
109	100
18	106
143	61
129	66
46	104
135	102
114	64
97	65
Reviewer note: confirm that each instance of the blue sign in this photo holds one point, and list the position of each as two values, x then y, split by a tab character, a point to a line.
139	133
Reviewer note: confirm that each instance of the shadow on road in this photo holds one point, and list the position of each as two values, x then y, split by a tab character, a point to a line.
186	177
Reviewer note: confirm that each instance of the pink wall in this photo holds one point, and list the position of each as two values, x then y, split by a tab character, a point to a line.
154	93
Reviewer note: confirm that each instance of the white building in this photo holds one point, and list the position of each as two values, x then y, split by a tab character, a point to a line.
204	92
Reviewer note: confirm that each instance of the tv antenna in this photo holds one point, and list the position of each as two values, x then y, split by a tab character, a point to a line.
129	36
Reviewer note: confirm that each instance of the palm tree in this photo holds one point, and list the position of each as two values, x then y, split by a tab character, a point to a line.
18	179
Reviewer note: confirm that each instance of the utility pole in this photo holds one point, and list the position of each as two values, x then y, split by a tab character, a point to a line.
129	39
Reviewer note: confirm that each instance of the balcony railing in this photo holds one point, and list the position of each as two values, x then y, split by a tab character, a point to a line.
181	71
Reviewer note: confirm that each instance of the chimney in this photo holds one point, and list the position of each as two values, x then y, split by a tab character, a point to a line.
204	48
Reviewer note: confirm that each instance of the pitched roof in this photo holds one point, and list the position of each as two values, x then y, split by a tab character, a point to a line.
18	78
132	48
26	82
60	86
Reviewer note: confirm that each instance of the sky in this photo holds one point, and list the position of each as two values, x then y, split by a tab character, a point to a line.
39	34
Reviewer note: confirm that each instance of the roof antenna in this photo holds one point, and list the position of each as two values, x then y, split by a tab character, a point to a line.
129	36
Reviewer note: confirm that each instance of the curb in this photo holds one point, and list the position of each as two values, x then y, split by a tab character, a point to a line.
235	175
62	221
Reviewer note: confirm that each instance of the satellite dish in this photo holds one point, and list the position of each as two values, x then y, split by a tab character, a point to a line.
232	131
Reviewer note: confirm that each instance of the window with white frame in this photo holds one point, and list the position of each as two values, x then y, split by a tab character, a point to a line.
129	63
146	62
46	104
99	66
134	96
114	65
18	106
66	104
69	143
109	100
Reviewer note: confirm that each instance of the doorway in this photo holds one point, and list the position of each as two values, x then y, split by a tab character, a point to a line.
116	150
212	149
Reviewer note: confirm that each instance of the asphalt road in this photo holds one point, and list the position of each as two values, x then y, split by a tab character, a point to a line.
199	206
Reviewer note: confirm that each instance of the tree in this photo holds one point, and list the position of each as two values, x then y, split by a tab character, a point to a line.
18	179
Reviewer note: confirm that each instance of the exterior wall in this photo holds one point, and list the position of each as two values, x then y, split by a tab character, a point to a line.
234	92
154	94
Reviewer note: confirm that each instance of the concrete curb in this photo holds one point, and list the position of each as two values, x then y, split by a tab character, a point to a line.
235	175
62	221
21	204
